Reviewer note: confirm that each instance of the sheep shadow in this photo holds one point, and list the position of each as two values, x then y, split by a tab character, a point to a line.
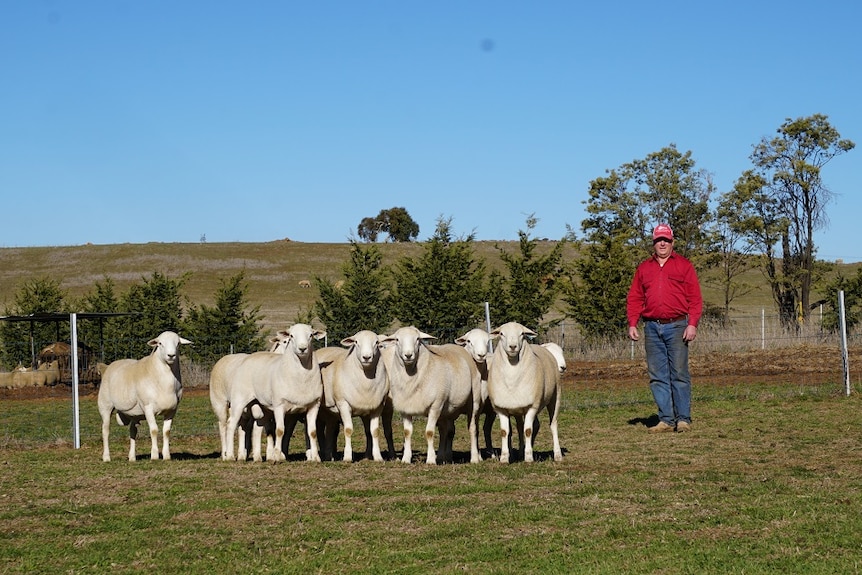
186	456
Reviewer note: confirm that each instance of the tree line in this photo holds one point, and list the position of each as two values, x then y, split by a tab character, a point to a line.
766	221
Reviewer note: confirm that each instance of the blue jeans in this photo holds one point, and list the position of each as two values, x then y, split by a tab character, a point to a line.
667	364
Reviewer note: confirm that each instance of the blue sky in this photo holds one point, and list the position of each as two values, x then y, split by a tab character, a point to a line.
163	121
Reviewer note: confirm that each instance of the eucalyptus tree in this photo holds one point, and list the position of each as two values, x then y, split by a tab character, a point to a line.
622	209
789	171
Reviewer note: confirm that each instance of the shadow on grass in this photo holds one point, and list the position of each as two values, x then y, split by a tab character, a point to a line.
650	421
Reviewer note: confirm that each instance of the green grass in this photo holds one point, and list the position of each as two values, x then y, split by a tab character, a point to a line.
770	480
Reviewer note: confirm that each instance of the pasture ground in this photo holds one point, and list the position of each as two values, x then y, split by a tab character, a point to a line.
770	480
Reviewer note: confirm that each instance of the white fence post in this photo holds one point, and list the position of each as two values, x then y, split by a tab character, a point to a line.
76	416
844	355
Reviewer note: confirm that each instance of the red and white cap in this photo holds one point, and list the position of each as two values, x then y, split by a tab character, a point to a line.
663	231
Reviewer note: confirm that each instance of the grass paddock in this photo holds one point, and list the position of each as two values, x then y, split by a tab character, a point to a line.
770	480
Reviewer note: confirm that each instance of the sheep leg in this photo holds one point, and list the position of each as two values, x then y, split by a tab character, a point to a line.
167	422
430	426
407	457
386	423
256	433
133	436
222	427
487	429
519	422
558	452
447	438
277	453
313	453
290	421
475	456
504	437
528	433
231	431
106	432
375	437
242	439
150	414
347	421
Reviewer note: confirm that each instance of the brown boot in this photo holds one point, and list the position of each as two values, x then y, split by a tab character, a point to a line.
682	426
662	427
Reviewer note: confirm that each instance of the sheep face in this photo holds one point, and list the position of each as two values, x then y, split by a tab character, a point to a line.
299	339
478	343
511	337
167	346
365	345
407	341
557	352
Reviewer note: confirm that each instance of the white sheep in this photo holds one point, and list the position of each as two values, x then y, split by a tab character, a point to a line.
557	352
47	373
355	382
254	417
139	389
222	377
523	379
477	342
283	383
439	382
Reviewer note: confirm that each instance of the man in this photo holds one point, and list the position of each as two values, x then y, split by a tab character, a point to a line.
665	292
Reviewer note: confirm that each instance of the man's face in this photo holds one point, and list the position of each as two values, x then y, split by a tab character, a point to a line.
663	247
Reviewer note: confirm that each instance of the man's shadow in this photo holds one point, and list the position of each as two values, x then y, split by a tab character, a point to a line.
650	421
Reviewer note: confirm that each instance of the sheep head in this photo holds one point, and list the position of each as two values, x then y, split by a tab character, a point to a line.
298	339
407	341
365	345
477	342
511	338
167	346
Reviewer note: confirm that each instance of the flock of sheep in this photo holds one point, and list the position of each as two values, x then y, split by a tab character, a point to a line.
371	376
47	373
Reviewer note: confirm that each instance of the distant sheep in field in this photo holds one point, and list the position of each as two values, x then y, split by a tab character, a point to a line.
523	379
139	389
304	283
48	373
438	382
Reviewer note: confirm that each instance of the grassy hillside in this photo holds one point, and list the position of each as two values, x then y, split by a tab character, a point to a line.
273	269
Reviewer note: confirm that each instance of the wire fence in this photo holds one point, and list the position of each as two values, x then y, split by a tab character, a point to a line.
731	351
756	357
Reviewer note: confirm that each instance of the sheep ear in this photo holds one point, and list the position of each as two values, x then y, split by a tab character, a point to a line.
495	333
153	342
423	335
529	333
461	341
317	334
184	340
348	341
283	333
